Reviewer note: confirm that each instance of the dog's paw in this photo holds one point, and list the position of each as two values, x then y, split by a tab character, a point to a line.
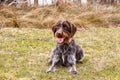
74	72
49	71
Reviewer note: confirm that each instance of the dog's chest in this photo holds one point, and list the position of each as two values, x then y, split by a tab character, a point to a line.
64	49
64	60
64	53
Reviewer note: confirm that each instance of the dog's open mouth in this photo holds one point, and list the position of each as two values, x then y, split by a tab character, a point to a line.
60	40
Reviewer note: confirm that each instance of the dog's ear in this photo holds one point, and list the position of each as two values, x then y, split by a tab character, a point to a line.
73	28
53	29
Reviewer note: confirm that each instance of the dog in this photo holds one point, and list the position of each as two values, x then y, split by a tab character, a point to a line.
67	52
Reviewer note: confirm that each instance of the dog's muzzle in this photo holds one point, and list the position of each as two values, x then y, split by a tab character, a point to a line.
60	37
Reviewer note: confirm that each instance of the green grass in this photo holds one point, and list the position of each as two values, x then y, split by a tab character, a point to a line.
24	54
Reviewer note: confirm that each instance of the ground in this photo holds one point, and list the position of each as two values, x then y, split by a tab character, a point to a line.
24	54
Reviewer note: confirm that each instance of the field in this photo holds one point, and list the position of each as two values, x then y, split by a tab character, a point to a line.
24	54
26	41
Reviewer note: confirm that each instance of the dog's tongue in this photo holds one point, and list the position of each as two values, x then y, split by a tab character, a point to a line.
60	40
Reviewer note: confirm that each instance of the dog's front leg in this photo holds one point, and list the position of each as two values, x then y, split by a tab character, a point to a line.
55	60
72	64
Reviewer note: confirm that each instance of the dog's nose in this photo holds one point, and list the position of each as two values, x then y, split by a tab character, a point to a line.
59	35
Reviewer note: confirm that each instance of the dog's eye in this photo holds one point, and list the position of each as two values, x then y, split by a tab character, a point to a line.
65	27
56	28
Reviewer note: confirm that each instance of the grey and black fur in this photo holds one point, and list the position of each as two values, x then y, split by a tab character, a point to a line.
68	52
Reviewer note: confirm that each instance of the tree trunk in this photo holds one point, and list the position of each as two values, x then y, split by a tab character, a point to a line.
36	2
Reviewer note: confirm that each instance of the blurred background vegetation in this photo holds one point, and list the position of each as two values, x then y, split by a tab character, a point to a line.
44	13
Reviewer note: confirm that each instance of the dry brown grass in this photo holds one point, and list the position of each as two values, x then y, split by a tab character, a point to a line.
43	17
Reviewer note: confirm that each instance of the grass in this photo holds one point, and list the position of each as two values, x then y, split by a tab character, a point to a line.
24	54
93	15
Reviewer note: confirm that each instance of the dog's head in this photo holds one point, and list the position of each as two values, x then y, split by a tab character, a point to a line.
64	31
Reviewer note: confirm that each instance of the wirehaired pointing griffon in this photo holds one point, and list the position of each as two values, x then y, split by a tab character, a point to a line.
67	52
